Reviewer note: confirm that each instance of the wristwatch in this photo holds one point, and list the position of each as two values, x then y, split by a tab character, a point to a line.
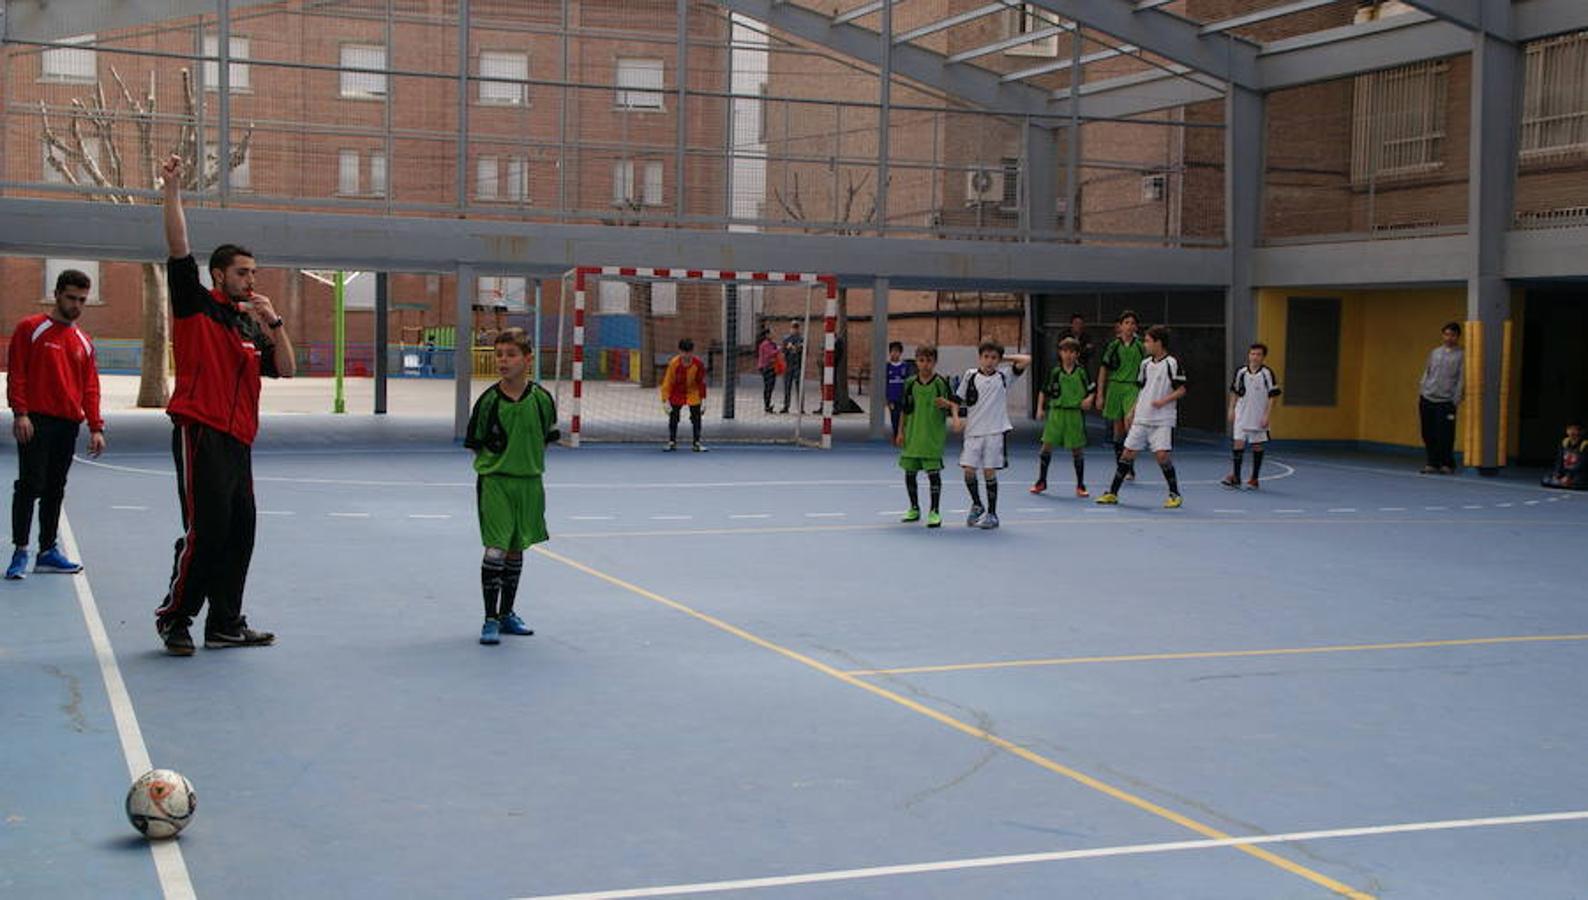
276	324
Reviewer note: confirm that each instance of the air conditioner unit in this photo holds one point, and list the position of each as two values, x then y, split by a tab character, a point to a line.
984	186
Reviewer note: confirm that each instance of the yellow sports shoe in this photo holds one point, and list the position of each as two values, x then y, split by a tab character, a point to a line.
1174	502
1108	500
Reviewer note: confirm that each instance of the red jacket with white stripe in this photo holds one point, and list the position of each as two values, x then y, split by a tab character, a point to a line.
53	372
220	355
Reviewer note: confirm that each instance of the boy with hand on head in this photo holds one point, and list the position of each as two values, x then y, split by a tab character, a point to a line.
926	405
512	424
1116	381
684	384
984	391
1162	383
1067	393
1252	393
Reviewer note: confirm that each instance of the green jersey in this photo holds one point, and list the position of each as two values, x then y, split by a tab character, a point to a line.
508	436
925	425
1066	390
1123	361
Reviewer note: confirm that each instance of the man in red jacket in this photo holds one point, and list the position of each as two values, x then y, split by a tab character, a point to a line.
223	340
53	385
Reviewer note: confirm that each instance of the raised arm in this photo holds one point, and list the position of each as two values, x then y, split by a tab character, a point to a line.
175	220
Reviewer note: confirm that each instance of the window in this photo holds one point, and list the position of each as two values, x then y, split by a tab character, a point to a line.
614	298
358	290
78	65
237	72
79	170
1011	197
497	292
347	172
377	174
1555	97
485	178
639	83
1398	124
53	269
367	84
241	178
1312	351
512	66
648	190
664	298
1027	18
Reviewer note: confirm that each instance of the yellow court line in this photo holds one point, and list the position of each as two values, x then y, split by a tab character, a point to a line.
1216	654
1007	746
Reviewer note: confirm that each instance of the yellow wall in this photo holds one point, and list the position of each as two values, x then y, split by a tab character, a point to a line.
1385	337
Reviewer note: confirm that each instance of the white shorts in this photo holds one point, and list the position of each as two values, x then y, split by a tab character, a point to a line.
985	451
1252	435
1150	437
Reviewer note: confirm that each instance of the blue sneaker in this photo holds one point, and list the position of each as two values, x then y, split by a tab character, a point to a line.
53	560
491	632
18	569
513	624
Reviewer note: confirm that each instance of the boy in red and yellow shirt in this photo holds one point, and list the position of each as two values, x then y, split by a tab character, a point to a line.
684	384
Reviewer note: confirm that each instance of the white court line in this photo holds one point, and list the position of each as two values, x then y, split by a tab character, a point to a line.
826	515
987	862
1529	502
132	508
1392	509
751	516
671	518
1472	506
1289	510
1436	508
891	512
348	515
1343	509
276	512
1233	512
168	863
429	515
1505	505
592	518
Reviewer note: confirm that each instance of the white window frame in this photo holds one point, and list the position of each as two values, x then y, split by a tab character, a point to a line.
347	173
360	78
515	178
379	180
638	183
507	64
487	178
1024	18
70	65
614	298
1555	97
642	83
237	71
664	298
1398	122
53	269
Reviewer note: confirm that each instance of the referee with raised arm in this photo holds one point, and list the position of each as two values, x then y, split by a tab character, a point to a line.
223	340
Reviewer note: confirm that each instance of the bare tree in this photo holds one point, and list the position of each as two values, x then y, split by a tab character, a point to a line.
91	154
843	223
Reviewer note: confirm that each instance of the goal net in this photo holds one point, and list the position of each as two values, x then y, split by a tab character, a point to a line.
616	328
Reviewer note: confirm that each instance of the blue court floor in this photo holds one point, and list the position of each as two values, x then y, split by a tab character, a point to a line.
749	680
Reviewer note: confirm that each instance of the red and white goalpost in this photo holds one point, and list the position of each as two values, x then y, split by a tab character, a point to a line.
585	276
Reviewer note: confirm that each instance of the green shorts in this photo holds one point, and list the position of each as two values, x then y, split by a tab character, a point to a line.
1065	428
512	511
1120	399
920	464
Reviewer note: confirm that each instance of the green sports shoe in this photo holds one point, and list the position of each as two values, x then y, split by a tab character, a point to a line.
914	515
1109	499
934	519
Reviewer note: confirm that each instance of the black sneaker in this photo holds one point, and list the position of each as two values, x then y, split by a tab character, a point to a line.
178	642
239	635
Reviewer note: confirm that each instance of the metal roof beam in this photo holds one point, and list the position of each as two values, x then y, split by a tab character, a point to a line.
1354	49
944	24
1487	16
1062	64
1226	57
863	10
1141	92
1017	40
1264	15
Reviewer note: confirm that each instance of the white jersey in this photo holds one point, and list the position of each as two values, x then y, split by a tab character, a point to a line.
1158	378
986	399
1254	392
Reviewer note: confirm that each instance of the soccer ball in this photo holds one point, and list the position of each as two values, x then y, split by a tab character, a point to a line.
161	803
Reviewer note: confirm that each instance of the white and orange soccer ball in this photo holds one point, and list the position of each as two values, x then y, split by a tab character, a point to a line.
161	803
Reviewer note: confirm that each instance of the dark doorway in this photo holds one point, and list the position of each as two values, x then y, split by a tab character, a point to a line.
1554	369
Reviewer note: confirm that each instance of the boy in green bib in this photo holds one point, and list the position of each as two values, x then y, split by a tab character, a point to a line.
1116	380
927	406
509	429
1067	393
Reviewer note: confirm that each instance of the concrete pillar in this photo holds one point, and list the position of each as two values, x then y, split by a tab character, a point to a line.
1243	206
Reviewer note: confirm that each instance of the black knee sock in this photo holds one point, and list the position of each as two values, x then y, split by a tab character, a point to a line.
1238	454
1257	462
974	488
934	482
1169	476
992	494
1042	471
1119	449
694	424
511	570
491	583
1080	470
1120	469
912	489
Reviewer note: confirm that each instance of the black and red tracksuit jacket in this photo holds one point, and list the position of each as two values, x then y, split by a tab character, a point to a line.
220	355
52	372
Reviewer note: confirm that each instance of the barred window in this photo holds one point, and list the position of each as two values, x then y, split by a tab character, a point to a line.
1555	99
1028	18
1398	122
76	65
640	83
363	83
514	67
236	72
